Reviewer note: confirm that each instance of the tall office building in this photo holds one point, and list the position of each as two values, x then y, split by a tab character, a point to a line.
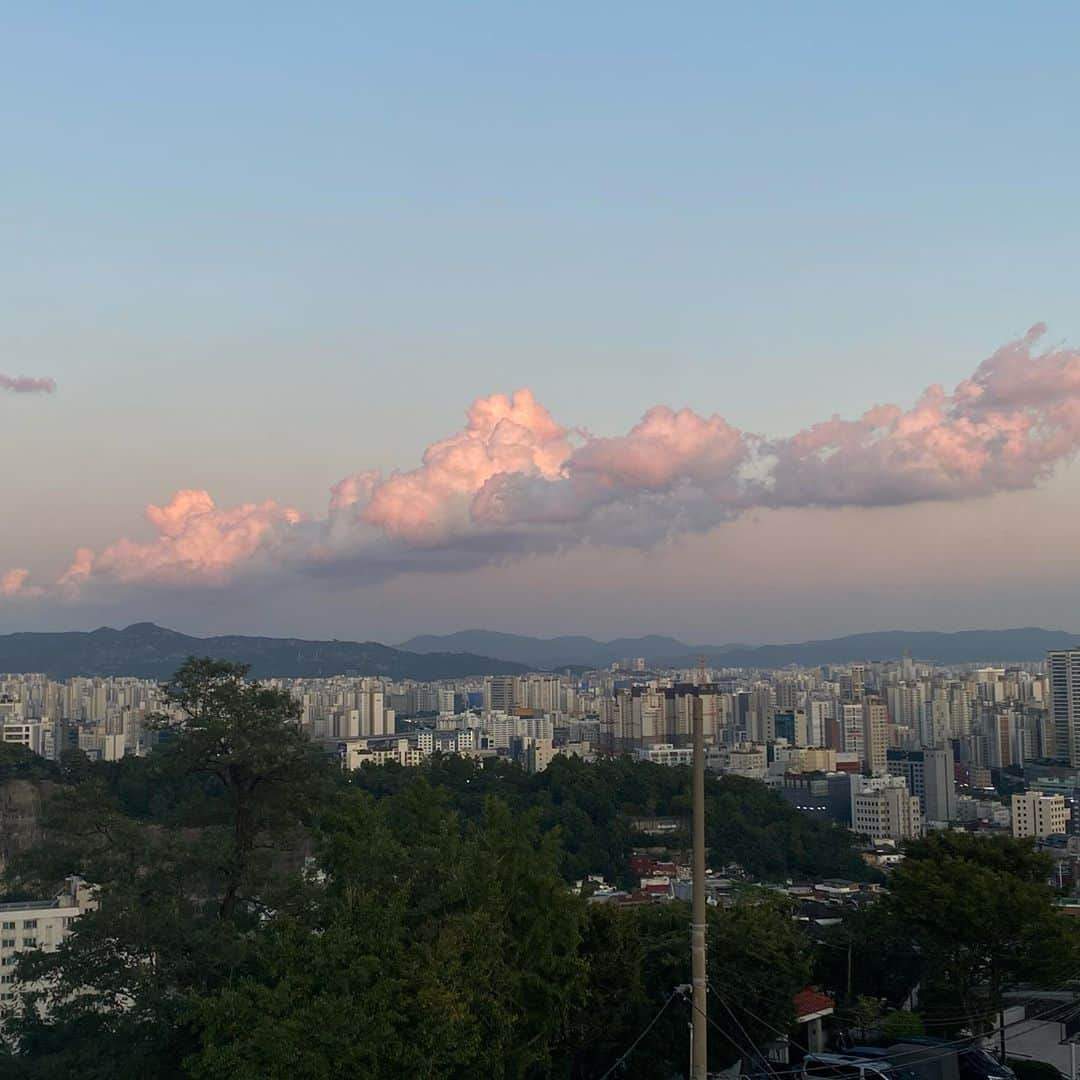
1064	669
852	731
500	693
939	773
929	775
858	681
818	713
875	734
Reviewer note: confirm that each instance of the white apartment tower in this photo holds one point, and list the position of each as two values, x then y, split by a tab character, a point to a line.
1063	667
852	731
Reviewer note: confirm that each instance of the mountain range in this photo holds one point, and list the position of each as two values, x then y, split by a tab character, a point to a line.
153	652
149	651
961	647
548	653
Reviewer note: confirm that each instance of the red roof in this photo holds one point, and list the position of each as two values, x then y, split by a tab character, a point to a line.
810	1002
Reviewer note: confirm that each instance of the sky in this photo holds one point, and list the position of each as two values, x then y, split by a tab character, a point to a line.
374	320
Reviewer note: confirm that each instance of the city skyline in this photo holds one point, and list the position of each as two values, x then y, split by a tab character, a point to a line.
529	532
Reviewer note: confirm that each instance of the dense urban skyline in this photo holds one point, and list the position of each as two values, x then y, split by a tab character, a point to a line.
529	532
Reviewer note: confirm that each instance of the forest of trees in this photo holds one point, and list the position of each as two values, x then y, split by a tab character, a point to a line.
263	915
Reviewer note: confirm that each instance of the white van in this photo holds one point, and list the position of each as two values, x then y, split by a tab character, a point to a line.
849	1067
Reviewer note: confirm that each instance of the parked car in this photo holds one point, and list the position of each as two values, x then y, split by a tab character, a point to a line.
917	1054
852	1066
979	1064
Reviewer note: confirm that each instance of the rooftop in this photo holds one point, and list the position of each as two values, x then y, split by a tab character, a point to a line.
29	905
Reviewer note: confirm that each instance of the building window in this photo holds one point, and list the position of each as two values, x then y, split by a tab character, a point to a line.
9	926
29	924
29	942
7	943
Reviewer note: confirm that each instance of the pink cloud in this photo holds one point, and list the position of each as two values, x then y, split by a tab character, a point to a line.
12	582
513	481
353	490
195	542
79	571
1003	429
503	435
26	384
664	447
672	472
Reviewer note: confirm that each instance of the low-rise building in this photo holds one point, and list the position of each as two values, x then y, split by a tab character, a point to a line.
665	754
1036	815
36	924
882	808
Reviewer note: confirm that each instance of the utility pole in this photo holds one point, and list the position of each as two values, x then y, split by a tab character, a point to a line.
699	1057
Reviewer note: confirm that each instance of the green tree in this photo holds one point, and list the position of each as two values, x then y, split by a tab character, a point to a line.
979	915
178	894
900	1024
456	942
248	738
757	961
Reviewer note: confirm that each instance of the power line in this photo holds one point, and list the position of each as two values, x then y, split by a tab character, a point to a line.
739	1049
941	1050
738	1024
764	1023
648	1027
943	1020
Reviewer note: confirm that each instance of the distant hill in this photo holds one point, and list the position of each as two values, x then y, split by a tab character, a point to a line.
153	652
962	647
547	653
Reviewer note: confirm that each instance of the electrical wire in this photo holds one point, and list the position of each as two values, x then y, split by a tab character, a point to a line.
764	1023
934	1053
739	1049
648	1027
746	1034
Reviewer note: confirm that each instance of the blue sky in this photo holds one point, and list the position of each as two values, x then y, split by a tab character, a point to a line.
263	247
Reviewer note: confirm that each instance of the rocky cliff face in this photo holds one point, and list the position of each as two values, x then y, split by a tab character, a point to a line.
20	816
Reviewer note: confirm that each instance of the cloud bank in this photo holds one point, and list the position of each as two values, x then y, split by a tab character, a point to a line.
25	384
514	481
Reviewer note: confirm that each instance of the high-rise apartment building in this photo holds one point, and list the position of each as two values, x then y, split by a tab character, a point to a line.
875	717
1063	666
929	775
500	693
852	731
858	681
